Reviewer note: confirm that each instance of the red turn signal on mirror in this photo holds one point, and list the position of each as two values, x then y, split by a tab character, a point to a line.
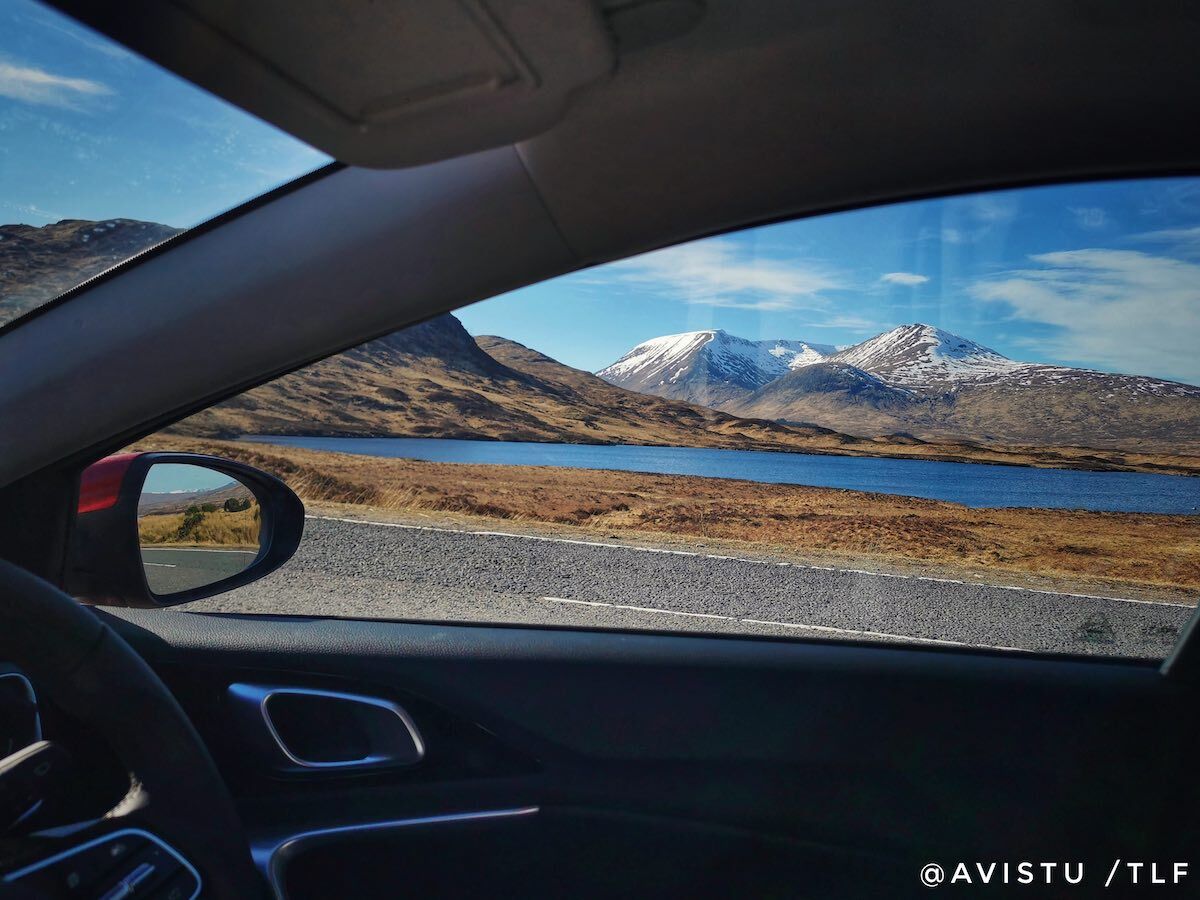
157	528
100	484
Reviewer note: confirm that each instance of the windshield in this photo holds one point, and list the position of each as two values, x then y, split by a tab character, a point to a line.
103	155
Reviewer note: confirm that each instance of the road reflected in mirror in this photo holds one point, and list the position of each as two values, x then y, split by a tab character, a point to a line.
196	526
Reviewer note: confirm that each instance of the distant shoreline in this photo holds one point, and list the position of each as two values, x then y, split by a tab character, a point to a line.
1081	459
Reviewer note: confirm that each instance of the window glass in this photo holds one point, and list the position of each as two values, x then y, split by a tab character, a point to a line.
103	155
971	421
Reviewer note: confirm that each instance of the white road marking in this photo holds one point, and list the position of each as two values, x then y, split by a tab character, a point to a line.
824	629
195	549
160	565
649	609
741	559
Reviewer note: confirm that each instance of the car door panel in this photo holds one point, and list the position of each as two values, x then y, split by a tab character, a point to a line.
671	765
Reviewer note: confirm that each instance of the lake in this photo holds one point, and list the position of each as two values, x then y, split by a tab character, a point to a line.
967	483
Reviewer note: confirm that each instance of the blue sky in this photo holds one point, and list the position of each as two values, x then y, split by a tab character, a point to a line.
91	131
167	478
1103	275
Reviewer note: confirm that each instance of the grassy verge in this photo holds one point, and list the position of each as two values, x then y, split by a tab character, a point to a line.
1117	549
202	528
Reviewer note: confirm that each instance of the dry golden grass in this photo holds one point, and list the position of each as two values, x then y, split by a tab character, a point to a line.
1123	549
231	529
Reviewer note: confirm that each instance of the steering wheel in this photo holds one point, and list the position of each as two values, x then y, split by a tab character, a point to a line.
89	673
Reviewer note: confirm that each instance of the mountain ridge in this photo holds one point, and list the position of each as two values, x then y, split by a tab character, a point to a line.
939	386
708	367
921	355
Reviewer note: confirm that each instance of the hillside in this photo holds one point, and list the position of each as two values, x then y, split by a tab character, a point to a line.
38	264
835	392
158	504
434	380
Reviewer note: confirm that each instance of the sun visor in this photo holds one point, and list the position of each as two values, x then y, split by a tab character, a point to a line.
379	84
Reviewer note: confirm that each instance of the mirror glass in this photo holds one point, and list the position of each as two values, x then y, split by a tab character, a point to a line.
196	526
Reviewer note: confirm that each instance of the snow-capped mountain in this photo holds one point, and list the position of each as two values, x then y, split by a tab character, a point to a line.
923	356
927	359
708	367
920	380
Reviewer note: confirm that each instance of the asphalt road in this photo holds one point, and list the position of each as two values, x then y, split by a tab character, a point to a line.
363	570
178	569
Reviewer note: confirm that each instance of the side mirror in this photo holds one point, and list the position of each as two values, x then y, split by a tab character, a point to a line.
156	529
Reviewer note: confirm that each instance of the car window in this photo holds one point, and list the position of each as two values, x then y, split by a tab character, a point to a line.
964	421
104	155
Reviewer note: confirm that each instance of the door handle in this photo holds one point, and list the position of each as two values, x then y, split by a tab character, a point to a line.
301	729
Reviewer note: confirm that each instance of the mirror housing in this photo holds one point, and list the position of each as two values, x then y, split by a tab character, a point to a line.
105	564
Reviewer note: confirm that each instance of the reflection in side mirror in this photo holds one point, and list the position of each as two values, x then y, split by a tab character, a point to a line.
196	526
156	529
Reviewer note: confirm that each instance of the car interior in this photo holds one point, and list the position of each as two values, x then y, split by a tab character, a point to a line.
479	147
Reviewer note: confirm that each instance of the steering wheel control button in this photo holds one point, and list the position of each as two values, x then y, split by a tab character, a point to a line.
126	864
20	724
182	887
120	892
129	885
27	777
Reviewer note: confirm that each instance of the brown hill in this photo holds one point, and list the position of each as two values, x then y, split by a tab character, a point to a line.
159	504
38	264
1075	409
831	392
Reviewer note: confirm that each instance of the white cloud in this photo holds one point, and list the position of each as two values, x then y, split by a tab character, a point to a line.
29	212
94	45
849	322
723	273
970	220
42	88
1172	234
1089	217
991	209
908	279
1121	310
1181	240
